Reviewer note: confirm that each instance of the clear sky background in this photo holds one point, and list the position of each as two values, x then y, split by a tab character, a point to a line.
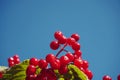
27	28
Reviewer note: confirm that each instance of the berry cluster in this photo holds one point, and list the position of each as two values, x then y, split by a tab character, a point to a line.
53	62
45	69
13	60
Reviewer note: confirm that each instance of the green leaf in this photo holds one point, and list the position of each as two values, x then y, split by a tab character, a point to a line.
76	72
17	72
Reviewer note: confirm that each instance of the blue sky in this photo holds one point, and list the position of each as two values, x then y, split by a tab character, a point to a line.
27	28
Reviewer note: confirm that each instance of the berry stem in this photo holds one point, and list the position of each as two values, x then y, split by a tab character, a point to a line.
61	50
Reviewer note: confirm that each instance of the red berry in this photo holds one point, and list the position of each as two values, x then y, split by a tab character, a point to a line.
76	46
1	75
70	56
63	70
51	75
70	41
54	45
78	53
42	63
78	63
106	77
64	60
31	69
85	64
118	77
89	74
11	64
62	40
31	77
75	36
10	59
55	64
16	56
17	61
50	58
76	57
60	37
33	61
57	34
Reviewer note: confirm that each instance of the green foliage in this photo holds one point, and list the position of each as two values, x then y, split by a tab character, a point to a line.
17	72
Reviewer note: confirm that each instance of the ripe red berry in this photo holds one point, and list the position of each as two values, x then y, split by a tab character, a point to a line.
64	60
17	61
33	61
1	75
10	59
78	53
78	63
62	40
76	46
51	75
42	63
107	77
50	58
85	64
63	70
54	45
60	37
70	56
31	77
75	36
57	34
89	73
55	64
118	77
31	69
11	64
70	41
16	56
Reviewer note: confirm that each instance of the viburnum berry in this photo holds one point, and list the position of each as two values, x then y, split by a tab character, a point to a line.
50	74
118	77
55	64
57	34
17	61
11	64
78	53
64	60
63	69
16	56
60	37
70	41
42	75
78	63
75	36
10	59
50	58
62	40
31	77
31	69
70	56
33	61
107	77
1	74
54	45
85	64
76	46
89	73
42	63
